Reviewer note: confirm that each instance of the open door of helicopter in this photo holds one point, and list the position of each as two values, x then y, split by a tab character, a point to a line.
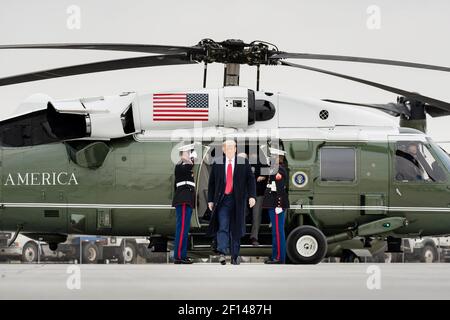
418	178
1	194
255	152
201	172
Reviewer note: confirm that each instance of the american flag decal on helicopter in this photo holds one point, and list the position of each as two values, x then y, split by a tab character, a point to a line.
180	107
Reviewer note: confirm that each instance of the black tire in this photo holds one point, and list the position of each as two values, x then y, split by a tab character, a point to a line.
428	254
90	253
350	257
128	253
312	243
30	252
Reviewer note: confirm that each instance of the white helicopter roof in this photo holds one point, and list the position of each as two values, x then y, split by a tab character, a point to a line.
306	112
295	118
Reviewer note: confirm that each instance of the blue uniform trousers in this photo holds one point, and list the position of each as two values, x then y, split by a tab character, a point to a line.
183	223
278	235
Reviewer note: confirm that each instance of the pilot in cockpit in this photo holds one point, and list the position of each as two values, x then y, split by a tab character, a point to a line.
408	163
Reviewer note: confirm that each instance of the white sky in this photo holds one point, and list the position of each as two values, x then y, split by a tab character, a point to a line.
414	31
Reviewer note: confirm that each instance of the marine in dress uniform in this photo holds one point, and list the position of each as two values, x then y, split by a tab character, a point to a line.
276	201
184	202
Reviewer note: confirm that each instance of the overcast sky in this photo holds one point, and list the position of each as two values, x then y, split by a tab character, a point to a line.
416	31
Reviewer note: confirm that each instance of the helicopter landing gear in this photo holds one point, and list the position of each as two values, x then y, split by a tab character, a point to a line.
306	245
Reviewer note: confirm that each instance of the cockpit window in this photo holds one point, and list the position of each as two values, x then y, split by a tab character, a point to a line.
414	161
441	154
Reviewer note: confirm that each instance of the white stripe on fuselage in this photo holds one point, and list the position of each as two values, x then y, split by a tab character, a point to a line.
84	205
370	208
168	206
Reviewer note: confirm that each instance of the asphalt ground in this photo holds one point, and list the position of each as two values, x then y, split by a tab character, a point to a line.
213	281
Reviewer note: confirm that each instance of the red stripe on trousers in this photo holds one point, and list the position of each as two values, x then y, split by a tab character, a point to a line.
180	243
278	236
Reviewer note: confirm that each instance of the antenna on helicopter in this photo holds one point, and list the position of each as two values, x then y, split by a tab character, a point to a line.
205	72
257	77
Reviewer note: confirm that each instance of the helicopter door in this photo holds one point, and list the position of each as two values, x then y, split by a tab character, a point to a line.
336	192
374	178
1	193
201	173
417	178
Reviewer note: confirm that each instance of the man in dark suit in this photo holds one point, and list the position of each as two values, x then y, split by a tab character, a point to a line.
231	182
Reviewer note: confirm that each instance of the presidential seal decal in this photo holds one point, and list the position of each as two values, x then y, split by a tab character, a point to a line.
300	179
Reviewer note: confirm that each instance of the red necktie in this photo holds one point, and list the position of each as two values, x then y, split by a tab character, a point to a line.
229	183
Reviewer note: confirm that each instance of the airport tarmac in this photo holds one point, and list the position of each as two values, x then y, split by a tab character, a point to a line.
213	281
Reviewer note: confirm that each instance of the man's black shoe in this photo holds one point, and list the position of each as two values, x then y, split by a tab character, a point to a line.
236	261
183	261
270	261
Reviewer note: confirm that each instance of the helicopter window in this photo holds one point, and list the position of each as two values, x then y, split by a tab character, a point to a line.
337	164
441	154
415	162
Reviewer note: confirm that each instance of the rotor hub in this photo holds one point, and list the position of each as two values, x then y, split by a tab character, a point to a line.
416	108
234	51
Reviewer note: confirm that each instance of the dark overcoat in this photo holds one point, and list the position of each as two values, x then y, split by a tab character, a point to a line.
244	187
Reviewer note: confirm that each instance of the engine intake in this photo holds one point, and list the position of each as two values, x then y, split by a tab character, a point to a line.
100	118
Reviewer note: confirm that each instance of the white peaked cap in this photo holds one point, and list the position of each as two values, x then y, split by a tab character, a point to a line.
277	151
187	147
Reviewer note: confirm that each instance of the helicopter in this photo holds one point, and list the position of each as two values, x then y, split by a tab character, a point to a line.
104	165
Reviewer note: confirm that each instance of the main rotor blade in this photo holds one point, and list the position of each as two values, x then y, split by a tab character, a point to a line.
147	48
394	109
436	112
312	56
119	64
434	102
